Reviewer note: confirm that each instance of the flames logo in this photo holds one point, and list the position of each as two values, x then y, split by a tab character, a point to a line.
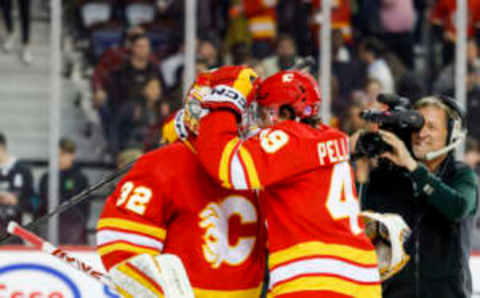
214	219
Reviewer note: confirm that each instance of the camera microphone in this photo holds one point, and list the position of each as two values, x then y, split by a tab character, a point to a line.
393	100
434	154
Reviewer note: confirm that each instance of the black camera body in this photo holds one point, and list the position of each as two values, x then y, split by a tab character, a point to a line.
400	119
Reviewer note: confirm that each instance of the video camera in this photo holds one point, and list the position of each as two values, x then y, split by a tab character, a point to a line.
400	118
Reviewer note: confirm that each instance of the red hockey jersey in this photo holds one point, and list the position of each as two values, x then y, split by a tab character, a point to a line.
317	246
167	203
443	13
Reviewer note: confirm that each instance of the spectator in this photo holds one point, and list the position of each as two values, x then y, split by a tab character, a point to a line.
108	62
442	17
127	156
352	72
397	19
340	18
295	16
262	25
445	85
154	134
171	67
472	152
368	96
371	52
16	187
129	81
257	67
130	126
411	86
208	52
24	8
352	121
437	197
72	182
445	82
240	53
284	58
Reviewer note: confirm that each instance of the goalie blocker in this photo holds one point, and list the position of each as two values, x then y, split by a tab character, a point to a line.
387	232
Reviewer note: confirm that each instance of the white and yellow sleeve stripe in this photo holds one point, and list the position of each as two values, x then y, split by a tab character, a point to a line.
237	168
116	234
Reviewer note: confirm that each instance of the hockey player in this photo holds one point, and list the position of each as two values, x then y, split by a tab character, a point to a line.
168	204
317	245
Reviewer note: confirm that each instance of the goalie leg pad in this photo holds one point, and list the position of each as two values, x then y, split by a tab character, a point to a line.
152	276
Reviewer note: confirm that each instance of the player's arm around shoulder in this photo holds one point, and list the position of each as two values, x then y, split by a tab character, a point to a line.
283	151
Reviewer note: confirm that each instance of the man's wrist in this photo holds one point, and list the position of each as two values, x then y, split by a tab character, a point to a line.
411	165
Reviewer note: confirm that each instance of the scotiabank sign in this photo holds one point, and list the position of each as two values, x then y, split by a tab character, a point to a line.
29	273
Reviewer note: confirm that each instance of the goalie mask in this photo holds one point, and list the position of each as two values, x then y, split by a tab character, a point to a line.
187	119
388	232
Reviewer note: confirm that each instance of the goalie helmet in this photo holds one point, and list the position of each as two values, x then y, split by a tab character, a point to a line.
292	88
387	232
192	110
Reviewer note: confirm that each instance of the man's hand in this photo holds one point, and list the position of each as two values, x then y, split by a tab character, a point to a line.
399	155
362	165
8	198
233	87
354	139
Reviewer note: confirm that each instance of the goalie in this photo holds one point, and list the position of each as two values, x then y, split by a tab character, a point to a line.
169	230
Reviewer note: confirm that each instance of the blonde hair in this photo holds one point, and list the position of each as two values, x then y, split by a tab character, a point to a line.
437	102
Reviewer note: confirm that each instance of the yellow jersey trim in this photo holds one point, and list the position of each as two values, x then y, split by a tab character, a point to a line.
317	248
333	284
224	170
251	170
122	246
136	227
248	293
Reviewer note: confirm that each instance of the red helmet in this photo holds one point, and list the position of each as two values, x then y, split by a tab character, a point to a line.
295	88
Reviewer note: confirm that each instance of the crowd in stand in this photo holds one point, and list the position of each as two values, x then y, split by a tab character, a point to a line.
384	46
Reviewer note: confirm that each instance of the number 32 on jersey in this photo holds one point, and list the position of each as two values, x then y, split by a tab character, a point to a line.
134	198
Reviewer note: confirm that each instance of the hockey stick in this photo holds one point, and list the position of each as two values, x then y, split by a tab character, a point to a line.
75	199
15	229
173	277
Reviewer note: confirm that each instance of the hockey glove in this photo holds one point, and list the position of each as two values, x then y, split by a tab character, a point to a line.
387	232
233	87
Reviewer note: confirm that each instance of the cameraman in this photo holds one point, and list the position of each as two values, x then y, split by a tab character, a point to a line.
437	197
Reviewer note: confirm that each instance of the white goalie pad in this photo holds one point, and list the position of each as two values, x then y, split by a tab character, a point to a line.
150	276
388	232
